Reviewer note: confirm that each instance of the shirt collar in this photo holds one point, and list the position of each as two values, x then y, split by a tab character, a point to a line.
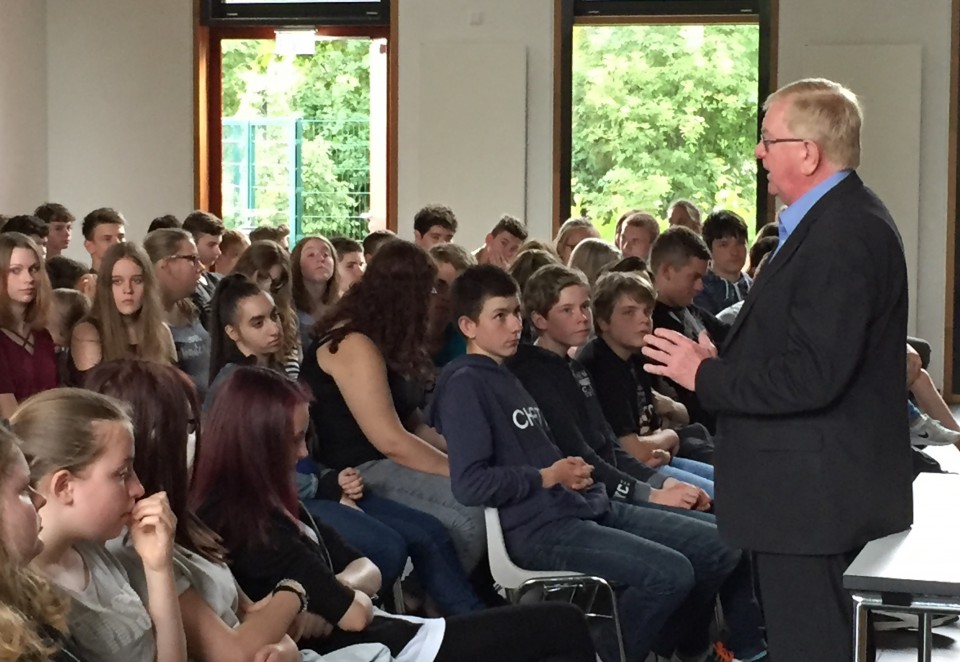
791	216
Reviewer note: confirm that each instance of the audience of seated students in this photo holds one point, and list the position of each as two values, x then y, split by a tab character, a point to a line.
725	283
165	410
59	222
444	340
316	283
32	227
232	245
432	225
65	272
367	370
636	232
245	329
176	263
268	265
350	262
591	256
28	361
572	232
126	318
102	228
502	243
207	231
553	517
373	241
685	214
557	301
33	615
79	447
678	261
622	304
243	489
166	221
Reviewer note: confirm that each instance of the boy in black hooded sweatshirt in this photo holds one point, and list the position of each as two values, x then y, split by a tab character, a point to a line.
553	516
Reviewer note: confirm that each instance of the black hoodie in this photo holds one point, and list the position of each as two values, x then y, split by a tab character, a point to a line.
562	388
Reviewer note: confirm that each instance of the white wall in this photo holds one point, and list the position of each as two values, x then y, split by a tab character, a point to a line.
120	108
807	23
23	106
528	23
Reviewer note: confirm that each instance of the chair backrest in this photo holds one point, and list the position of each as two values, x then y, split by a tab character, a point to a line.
505	572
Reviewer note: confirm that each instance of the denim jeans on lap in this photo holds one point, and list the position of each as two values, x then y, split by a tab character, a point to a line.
690	471
668	567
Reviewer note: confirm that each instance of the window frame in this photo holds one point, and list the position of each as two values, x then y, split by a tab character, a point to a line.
220	13
570	13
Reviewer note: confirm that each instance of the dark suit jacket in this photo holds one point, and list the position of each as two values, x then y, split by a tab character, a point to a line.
813	451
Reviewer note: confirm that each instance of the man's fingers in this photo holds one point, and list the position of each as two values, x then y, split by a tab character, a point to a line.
655	354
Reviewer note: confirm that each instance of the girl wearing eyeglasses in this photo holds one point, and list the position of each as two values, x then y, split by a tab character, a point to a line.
126	320
176	263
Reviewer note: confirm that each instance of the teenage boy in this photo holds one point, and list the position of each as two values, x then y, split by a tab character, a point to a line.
502	243
553	516
207	231
636	235
434	224
373	241
556	300
679	260
102	228
724	284
444	340
350	264
59	220
32	227
622	303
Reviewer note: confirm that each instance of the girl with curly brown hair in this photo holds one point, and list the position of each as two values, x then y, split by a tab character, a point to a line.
366	369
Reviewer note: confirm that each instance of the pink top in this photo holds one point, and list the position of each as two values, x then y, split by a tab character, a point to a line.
23	373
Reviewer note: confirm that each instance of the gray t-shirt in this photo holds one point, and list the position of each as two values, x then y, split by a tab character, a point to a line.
193	353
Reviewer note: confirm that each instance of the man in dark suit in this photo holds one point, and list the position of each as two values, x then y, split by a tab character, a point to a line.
812	453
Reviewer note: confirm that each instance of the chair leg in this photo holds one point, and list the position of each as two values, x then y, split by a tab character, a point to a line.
615	611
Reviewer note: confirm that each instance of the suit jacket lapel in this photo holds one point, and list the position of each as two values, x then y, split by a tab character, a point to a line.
789	248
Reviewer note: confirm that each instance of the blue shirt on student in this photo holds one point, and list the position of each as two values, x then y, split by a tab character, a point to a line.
791	216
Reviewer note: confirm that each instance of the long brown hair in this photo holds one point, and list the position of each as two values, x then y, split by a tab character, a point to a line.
108	321
255	263
301	297
389	305
165	405
36	311
28	603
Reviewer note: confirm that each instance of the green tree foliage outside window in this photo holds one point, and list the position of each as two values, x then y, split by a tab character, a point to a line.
330	93
662	112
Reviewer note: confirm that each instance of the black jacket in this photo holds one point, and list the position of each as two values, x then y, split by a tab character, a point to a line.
813	451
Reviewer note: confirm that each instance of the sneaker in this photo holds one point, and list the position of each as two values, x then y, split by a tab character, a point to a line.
885	621
926	431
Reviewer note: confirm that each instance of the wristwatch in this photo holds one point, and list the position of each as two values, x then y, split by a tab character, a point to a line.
293	586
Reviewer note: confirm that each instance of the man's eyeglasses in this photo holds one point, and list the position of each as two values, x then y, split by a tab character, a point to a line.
773	141
192	259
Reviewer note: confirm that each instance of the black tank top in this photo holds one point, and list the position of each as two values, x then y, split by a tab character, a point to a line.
340	441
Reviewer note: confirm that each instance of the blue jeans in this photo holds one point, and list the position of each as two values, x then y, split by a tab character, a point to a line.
387	532
741	611
690	471
668	569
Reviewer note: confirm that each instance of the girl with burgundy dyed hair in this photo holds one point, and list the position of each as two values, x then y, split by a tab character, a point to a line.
165	412
243	489
366	370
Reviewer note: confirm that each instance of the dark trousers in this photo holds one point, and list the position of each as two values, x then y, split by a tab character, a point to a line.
808	614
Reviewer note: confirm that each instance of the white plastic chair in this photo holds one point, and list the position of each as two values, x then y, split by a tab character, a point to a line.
516	581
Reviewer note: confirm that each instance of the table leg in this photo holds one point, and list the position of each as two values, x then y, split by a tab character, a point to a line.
926	637
861	630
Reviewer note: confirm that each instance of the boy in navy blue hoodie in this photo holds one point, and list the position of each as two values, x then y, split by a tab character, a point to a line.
553	516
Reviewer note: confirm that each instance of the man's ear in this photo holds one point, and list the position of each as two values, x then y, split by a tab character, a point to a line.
231	332
467	327
417	236
89	245
488	242
539	321
601	325
57	486
812	159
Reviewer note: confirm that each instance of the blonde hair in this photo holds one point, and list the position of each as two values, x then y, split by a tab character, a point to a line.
592	255
36	311
28	603
163	243
108	321
825	113
527	262
569	225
